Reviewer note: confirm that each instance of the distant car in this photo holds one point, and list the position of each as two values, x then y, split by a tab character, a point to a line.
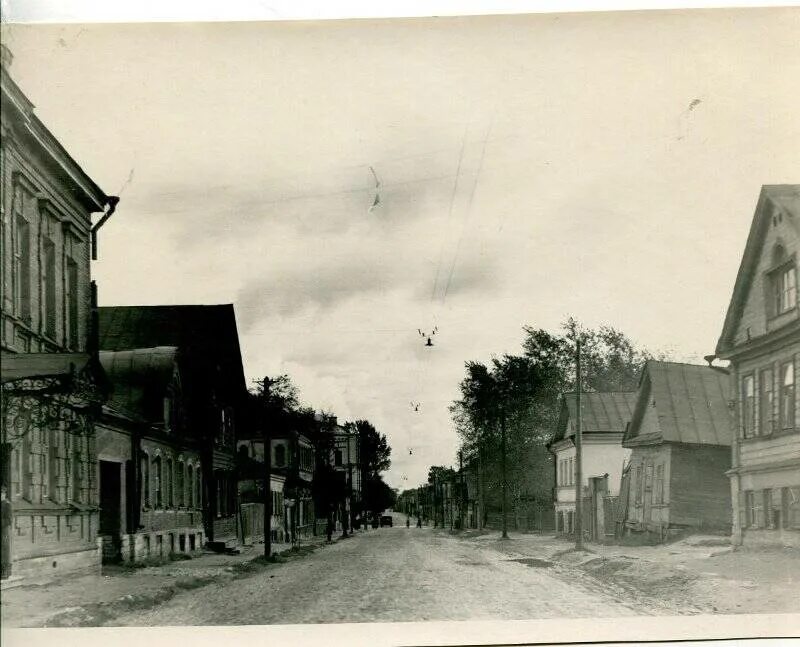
386	520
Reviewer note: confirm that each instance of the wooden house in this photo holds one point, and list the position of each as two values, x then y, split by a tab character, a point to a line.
761	338
603	420
679	438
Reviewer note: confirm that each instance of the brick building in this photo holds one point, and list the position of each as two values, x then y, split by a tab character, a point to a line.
52	384
151	478
761	338
213	387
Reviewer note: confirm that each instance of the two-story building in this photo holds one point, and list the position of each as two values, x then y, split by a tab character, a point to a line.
213	387
151	477
604	417
52	385
761	339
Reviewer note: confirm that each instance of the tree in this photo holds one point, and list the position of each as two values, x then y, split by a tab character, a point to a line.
519	395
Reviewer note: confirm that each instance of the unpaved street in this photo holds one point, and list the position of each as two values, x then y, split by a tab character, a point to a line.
389	574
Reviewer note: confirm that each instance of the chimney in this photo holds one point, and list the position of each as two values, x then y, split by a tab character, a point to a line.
6	57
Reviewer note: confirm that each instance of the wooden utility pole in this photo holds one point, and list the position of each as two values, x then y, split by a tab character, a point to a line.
578	452
267	469
462	503
503	466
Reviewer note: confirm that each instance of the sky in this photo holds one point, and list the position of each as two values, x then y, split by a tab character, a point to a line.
531	168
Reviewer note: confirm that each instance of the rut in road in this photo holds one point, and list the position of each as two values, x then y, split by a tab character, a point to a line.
390	575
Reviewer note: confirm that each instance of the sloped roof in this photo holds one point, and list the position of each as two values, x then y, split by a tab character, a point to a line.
785	197
691	403
607	412
204	333
140	380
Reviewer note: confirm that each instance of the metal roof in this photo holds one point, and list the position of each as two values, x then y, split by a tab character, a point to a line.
601	412
691	403
20	366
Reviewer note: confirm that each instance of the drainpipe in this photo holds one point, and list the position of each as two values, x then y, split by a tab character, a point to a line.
111	207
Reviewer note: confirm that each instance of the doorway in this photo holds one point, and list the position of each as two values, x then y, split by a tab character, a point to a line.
110	509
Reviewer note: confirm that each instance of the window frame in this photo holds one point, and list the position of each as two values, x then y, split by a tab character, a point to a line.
748	398
787	422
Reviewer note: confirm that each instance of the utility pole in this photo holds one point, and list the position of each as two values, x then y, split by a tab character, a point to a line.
435	503
578	451
503	465
267	469
462	504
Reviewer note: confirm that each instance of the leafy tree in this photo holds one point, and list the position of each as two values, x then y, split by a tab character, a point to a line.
522	392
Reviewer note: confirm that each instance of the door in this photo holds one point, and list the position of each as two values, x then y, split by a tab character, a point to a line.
648	494
110	509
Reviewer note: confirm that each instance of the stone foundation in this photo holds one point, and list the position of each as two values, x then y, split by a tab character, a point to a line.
160	544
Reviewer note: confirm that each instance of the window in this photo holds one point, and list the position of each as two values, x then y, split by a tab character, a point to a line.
280	455
765	405
787	396
750	509
167	413
190	485
179	485
157	476
658	489
198	486
49	287
769	518
170	498
748	406
226	426
72	296
572	471
639	485
337	457
16	473
22	267
785	283
144	467
790	504
77	470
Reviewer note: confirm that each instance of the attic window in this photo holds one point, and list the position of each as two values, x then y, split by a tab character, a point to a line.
784	285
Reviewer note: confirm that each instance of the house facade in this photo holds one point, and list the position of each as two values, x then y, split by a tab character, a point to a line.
761	339
51	382
604	417
213	387
679	438
151	477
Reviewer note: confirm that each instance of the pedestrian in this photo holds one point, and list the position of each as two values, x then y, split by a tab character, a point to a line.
408	522
419	522
6	523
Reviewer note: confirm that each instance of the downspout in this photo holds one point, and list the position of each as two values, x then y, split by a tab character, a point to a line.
111	204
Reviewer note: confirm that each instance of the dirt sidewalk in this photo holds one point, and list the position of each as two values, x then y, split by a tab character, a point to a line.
695	575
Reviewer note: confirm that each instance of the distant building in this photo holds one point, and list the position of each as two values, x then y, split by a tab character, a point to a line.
679	436
52	385
604	417
761	338
213	383
151	475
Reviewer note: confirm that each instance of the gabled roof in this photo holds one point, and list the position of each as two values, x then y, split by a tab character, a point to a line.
19	109
205	335
140	379
601	413
690	402
785	197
